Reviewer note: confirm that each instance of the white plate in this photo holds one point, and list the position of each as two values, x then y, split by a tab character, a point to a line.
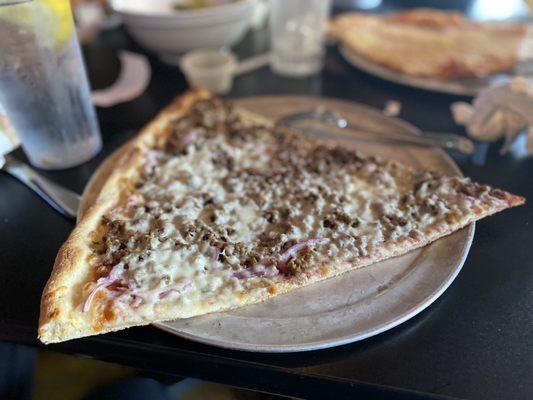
358	304
463	86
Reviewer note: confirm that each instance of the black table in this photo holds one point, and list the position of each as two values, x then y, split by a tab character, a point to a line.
474	342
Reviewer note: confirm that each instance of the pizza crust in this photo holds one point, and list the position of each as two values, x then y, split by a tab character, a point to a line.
61	318
58	321
429	43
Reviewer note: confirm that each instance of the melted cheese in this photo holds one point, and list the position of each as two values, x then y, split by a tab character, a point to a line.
214	220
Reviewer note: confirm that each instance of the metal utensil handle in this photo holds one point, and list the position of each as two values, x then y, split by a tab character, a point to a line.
445	140
63	200
252	63
450	141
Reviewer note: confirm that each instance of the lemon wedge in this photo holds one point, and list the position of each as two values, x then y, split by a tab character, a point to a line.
61	9
50	20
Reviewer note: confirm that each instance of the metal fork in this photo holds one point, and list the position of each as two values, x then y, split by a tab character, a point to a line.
444	140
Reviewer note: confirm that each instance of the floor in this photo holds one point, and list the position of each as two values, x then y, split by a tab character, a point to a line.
30	374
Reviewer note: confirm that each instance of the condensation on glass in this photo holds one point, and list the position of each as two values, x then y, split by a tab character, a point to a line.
297	35
43	84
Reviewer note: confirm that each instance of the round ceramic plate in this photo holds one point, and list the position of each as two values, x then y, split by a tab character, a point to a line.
463	86
350	307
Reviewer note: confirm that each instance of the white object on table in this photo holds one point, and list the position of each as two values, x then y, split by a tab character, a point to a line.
502	110
297	36
214	70
260	14
170	33
132	81
90	17
392	108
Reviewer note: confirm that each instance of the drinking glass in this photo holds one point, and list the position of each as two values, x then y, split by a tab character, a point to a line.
297	36
43	85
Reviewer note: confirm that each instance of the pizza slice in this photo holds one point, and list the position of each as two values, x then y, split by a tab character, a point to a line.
431	43
211	208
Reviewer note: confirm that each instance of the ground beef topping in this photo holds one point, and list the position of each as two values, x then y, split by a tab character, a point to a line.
222	201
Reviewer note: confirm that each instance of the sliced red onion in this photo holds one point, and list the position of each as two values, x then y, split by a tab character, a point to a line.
133	200
152	158
271	272
187	286
100	283
115	274
257	270
243	274
291	251
165	293
183	289
190	137
131	283
136	300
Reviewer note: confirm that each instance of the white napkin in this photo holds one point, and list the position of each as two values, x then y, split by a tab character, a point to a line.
132	81
502	110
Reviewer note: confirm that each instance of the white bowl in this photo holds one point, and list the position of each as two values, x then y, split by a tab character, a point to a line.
158	27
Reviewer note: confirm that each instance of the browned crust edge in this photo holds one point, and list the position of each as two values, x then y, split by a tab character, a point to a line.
454	69
54	322
168	313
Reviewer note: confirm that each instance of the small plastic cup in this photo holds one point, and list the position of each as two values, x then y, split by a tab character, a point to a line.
209	69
